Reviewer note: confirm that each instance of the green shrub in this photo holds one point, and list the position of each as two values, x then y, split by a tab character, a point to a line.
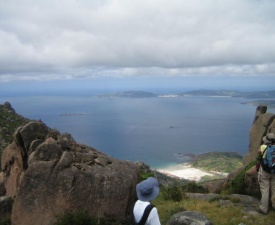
79	218
173	193
144	175
237	185
194	187
5	220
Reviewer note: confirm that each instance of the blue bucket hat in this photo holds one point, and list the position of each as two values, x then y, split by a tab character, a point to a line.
148	189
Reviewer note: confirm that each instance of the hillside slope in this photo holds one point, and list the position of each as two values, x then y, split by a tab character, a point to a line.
9	122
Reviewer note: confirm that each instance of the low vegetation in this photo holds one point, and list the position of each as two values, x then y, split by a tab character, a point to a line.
9	121
79	218
237	185
173	200
230	215
224	162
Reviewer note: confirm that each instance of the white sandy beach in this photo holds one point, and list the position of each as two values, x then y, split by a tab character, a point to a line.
185	171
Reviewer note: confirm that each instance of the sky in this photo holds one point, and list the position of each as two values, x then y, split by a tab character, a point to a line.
137	44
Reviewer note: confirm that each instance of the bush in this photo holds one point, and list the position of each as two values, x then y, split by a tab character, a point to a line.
172	193
5	220
144	175
79	218
237	185
194	187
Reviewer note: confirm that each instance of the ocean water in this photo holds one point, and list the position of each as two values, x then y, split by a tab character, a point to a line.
157	131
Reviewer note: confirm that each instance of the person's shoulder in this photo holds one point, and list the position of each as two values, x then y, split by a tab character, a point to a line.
141	203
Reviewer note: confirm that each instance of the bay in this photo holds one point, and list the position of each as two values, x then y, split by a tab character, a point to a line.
157	131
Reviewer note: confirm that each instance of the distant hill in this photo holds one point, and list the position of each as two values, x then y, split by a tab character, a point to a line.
129	94
201	92
230	93
267	102
265	97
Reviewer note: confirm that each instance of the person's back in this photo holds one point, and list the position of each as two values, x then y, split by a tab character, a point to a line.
265	177
147	190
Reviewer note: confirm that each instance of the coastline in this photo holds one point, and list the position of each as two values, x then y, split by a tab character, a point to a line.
186	171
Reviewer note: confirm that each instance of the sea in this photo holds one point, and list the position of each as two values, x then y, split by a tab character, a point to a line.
158	131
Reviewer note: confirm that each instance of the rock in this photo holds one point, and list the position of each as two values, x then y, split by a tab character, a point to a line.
189	218
244	200
263	123
50	174
235	199
2	185
12	166
25	135
260	110
214	186
200	196
271	128
8	106
225	203
252	186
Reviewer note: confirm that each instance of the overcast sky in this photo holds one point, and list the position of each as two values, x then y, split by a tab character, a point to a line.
116	39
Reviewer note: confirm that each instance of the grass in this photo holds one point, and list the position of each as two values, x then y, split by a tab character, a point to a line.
9	122
230	215
80	218
5	220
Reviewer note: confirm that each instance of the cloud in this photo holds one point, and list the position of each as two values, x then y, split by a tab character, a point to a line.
87	38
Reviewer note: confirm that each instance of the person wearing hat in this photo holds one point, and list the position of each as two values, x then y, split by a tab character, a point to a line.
147	191
265	178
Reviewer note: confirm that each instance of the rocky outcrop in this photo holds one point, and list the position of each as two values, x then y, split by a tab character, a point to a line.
251	182
214	186
9	121
189	218
263	123
2	185
50	174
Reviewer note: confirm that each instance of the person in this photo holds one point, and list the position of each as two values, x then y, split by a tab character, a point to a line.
147	190
260	152
265	178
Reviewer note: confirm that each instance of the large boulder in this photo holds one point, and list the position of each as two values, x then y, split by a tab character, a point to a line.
252	186
12	167
2	185
189	218
50	174
263	124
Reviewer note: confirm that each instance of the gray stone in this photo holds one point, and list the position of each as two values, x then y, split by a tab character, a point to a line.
189	218
50	174
2	185
260	128
201	196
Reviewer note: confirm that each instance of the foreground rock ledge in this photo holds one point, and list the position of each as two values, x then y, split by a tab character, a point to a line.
50	174
189	218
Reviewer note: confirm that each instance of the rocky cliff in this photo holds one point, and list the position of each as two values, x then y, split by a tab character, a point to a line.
263	123
49	174
9	121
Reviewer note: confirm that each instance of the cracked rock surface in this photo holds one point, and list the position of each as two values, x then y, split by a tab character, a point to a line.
48	174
